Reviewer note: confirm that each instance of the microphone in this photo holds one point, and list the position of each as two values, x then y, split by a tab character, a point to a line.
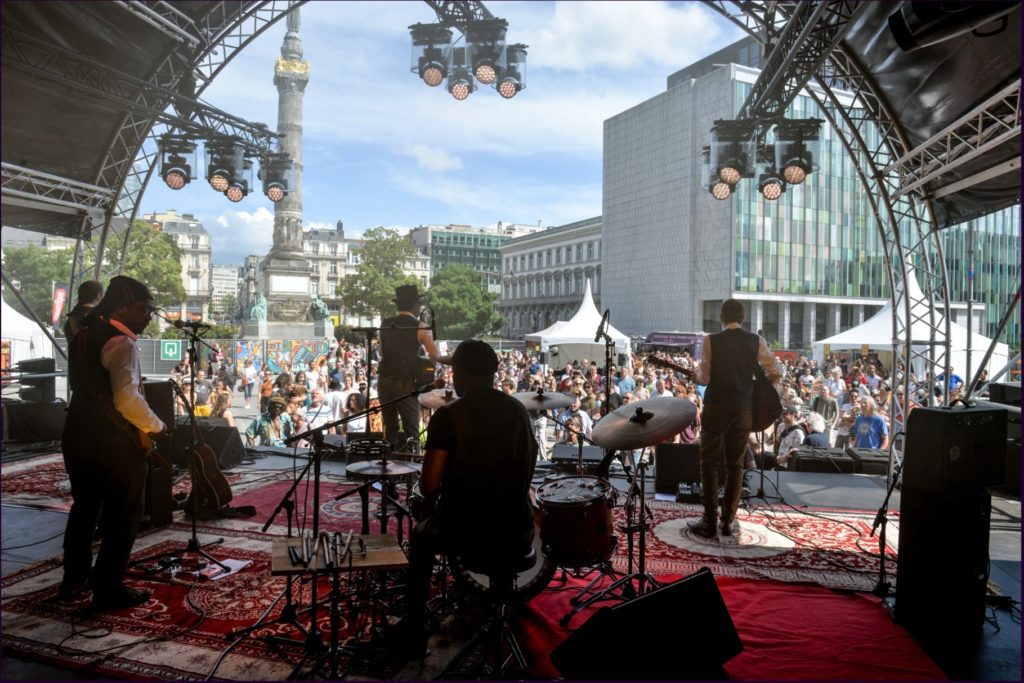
191	324
603	326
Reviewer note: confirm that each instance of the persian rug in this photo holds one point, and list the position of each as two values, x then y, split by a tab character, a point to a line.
185	630
42	482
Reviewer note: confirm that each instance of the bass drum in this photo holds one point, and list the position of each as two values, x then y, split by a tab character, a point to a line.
529	583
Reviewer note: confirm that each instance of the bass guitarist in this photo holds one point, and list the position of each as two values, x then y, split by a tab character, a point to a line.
727	366
106	440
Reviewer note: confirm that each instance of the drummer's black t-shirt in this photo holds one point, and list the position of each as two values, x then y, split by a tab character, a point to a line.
485	505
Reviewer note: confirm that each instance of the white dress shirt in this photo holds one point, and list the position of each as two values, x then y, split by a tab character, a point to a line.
120	357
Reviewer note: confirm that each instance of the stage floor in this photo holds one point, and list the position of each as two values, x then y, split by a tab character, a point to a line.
998	657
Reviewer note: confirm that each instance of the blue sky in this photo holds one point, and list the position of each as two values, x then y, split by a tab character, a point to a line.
382	148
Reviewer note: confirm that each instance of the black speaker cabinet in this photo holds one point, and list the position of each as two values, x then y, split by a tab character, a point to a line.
160	397
158	509
678	462
33	422
687	634
951	455
827	460
224	440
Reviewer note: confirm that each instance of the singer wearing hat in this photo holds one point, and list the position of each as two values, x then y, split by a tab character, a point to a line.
402	367
105	444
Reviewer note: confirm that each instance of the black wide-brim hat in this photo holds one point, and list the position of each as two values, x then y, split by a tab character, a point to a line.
406	295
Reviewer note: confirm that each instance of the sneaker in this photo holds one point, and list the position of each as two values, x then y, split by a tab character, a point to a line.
71	589
120	599
730	528
704	526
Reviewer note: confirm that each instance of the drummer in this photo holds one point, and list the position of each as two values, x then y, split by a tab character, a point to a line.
483	482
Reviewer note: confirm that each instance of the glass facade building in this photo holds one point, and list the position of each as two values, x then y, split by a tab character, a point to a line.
807	266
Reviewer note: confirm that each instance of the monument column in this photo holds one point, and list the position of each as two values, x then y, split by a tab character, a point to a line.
286	273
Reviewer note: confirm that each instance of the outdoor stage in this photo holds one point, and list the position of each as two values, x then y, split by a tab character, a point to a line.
796	583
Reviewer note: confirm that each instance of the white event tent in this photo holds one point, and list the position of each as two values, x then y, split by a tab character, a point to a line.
876	334
569	340
26	339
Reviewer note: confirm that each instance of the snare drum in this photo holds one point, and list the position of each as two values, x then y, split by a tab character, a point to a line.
576	520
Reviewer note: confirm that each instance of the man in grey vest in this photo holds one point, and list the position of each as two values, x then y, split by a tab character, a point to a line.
727	366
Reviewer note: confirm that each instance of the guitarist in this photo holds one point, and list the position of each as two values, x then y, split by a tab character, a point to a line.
727	366
106	439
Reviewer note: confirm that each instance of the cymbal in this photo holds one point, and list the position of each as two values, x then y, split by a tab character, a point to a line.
377	469
544	400
436	398
643	423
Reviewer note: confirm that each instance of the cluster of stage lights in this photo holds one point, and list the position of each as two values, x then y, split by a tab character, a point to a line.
228	170
735	150
485	58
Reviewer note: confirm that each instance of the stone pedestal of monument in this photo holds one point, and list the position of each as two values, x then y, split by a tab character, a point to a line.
262	329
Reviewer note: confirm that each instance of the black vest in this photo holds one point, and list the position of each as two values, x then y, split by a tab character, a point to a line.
733	362
91	397
399	347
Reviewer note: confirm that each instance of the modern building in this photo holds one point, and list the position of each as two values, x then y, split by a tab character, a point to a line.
543	275
20	237
807	265
194	242
476	248
224	285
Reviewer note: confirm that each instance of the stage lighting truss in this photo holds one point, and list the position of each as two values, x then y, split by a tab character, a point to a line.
797	143
177	159
485	43
225	160
484	59
276	172
431	44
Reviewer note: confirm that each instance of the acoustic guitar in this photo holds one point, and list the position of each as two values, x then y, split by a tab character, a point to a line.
767	406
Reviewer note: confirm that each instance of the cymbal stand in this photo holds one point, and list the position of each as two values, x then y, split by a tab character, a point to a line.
193	545
644	581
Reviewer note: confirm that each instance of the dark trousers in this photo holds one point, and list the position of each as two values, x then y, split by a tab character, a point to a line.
408	409
108	477
723	438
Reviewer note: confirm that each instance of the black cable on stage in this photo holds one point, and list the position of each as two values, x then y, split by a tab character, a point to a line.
27	545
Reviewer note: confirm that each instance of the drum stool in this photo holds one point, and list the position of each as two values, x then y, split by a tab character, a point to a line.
501	594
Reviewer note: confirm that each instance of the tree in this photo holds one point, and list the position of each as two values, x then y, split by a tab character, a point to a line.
36	269
463	307
153	258
383	254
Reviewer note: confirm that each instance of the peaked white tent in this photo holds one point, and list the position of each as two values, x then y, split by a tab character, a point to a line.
26	339
569	340
876	334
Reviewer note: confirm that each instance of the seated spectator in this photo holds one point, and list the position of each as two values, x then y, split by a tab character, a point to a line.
816	431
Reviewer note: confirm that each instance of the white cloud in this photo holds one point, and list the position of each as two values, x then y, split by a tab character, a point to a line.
236	234
433	159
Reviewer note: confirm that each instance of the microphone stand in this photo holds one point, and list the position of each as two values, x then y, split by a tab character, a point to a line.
883	588
193	545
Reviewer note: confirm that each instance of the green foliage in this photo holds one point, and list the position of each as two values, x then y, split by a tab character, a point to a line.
36	269
215	332
463	307
154	259
370	290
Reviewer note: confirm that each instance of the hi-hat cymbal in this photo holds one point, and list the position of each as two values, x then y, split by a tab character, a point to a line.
643	423
535	400
437	398
378	469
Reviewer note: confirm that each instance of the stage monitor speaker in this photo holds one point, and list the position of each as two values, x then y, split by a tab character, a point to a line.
869	460
224	440
158	509
564	452
160	397
955	450
687	635
32	422
38	389
678	462
826	460
1005	392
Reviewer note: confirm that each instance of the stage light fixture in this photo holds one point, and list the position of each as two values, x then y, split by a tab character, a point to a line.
177	159
770	186
239	187
732	150
920	24
513	79
431	44
720	189
797	144
276	172
460	82
224	162
485	41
